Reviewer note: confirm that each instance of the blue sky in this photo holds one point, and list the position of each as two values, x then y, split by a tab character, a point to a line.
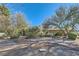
35	13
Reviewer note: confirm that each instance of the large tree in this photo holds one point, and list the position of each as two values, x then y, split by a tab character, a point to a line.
4	18
4	10
64	18
21	24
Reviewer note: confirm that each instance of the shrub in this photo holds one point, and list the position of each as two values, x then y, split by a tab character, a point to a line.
46	33
72	35
33	32
58	34
15	34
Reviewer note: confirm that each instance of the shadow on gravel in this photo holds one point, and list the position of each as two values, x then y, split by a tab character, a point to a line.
53	50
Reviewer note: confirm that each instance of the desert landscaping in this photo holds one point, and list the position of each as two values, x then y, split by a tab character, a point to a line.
39	47
57	35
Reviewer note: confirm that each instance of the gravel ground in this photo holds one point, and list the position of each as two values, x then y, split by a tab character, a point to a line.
54	48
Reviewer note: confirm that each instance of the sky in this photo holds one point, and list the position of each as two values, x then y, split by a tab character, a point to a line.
35	13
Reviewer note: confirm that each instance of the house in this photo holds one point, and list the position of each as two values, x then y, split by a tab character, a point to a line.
53	29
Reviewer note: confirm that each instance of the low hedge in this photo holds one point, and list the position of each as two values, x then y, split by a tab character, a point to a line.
72	35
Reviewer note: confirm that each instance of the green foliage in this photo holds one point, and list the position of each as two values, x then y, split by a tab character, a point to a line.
45	32
72	35
64	18
58	34
22	26
31	35
4	19
33	32
15	34
12	25
4	10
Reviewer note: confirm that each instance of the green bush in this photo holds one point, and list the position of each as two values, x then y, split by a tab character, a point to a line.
46	33
72	35
30	35
15	34
58	34
33	32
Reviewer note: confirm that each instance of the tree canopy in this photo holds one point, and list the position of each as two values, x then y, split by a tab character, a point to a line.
64	18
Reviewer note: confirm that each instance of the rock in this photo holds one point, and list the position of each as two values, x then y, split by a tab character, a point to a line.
29	53
39	45
35	46
36	52
60	52
51	49
42	50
